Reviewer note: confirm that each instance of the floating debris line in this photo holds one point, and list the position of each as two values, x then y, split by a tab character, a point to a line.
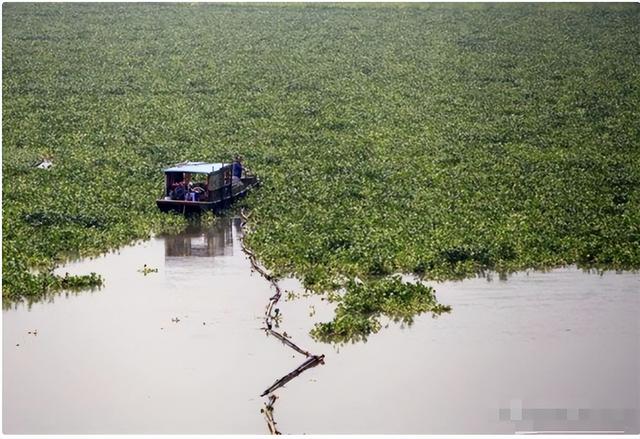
268	415
310	362
271	317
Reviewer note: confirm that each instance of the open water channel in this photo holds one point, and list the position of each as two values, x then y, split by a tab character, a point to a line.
182	351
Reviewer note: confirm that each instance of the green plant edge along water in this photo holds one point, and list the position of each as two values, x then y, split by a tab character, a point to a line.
439	140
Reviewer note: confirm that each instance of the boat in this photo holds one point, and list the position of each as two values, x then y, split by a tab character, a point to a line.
199	186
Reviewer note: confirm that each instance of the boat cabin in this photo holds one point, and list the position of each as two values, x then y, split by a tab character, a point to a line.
194	186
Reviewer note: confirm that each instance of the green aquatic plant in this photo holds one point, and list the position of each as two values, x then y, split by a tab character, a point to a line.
359	309
440	140
146	270
36	285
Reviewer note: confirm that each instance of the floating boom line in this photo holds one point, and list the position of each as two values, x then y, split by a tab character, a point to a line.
270	320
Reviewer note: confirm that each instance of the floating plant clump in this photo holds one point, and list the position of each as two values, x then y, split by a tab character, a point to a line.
359	309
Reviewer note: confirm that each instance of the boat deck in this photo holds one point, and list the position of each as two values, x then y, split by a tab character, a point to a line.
185	206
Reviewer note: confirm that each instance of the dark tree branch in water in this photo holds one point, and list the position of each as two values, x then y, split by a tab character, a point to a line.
288	342
310	362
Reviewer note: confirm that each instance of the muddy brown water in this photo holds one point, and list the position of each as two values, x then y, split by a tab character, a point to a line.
181	351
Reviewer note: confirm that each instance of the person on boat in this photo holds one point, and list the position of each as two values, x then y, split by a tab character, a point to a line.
177	191
199	191
193	192
236	171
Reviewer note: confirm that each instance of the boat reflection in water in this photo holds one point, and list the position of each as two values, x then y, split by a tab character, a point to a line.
204	240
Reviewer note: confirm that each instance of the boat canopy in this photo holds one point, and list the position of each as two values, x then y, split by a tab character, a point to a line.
197	167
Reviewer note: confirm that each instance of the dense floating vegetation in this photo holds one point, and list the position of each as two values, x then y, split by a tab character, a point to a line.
434	139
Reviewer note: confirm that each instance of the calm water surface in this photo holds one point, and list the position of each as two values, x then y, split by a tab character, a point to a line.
181	351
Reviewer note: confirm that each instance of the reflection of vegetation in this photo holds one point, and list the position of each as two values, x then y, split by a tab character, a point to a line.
434	139
358	311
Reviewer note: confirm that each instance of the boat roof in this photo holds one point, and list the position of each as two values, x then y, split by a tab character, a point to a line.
196	167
